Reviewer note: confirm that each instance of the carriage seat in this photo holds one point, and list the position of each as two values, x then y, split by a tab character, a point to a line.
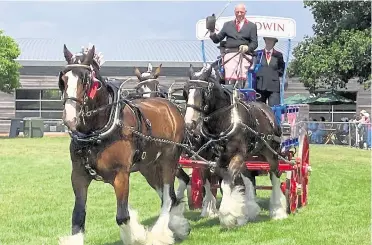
245	94
113	86
114	83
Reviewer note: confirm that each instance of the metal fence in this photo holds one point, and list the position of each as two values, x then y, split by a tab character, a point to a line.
340	133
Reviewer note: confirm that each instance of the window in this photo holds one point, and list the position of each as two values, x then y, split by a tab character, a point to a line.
51	94
28	105
329	116
51	105
22	114
51	114
345	107
320	108
27	94
44	103
324	108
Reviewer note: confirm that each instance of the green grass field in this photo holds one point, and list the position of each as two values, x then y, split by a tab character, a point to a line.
36	201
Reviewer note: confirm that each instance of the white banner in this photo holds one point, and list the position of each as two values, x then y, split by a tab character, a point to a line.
266	26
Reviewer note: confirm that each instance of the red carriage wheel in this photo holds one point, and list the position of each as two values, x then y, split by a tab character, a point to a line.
303	159
291	191
196	201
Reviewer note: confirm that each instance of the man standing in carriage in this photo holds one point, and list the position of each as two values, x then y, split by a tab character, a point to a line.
241	37
269	73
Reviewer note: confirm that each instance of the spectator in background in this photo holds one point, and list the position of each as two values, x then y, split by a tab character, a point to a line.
365	124
343	131
345	127
313	126
320	131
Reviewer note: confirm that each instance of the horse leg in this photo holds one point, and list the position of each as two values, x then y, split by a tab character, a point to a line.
209	200
171	220
252	208
233	208
80	183
278	203
131	231
184	183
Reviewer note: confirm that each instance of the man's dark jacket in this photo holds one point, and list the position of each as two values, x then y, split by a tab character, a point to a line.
246	36
267	77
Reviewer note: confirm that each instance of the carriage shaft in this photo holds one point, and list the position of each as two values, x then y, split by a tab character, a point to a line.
251	165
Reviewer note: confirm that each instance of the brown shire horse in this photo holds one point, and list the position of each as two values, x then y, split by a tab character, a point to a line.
104	147
148	86
239	131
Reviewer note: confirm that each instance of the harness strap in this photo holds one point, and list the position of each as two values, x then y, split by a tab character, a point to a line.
138	141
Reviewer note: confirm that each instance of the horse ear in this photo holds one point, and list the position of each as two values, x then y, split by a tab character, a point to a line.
137	73
157	71
191	71
89	57
68	55
209	71
149	68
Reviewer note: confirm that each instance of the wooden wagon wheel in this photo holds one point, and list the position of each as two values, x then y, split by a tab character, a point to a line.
303	159
291	190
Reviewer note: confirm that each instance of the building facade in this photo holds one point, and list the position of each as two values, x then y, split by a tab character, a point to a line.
42	60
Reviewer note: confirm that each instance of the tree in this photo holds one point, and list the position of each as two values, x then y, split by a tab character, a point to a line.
9	67
340	49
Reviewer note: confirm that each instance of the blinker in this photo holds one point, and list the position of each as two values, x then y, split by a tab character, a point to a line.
94	87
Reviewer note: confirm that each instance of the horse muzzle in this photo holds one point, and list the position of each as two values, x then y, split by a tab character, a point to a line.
190	126
71	124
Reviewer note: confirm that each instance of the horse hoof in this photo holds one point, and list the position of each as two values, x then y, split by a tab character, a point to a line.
178	224
253	210
278	214
160	237
77	239
180	227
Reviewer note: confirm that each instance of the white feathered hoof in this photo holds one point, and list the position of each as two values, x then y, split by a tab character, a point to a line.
252	210
278	202
133	233
209	203
77	239
160	234
278	213
178	223
233	208
209	208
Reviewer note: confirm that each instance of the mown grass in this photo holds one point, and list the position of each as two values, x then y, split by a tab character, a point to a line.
36	201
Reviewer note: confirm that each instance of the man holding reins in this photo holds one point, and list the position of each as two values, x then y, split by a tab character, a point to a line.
241	36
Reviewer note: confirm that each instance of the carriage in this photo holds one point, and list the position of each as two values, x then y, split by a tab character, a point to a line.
294	141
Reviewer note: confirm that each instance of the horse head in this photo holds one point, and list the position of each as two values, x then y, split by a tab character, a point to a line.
148	85
81	85
203	94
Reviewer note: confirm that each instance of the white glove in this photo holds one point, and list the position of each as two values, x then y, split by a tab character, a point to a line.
243	48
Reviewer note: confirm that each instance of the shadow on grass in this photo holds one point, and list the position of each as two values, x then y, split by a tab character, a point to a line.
194	216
